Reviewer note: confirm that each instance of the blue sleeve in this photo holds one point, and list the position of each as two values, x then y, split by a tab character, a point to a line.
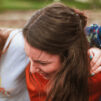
93	34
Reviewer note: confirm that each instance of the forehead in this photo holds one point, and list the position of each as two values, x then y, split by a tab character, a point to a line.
37	54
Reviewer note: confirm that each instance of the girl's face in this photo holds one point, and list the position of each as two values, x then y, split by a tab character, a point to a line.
42	62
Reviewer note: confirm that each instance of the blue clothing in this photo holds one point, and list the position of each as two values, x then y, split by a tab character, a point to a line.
93	33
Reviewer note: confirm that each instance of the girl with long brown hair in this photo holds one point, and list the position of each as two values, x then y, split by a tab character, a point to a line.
56	45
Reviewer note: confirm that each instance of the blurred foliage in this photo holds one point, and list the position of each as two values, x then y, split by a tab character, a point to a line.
37	4
1	3
23	4
95	3
77	4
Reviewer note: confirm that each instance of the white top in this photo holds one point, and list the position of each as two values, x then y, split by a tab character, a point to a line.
12	70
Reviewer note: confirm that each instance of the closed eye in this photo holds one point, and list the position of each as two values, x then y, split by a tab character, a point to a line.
44	64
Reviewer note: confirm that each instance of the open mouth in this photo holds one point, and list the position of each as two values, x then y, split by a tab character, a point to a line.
44	75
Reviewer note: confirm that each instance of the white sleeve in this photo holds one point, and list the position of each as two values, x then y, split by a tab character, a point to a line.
13	64
15	56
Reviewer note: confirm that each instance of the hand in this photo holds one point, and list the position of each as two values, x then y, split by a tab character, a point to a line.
95	54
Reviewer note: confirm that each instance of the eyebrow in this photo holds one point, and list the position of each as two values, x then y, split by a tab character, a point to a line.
39	61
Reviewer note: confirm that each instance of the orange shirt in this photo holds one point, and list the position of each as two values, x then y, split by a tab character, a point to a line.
38	94
36	85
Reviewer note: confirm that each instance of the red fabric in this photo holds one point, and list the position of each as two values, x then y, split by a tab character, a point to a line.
38	94
95	87
36	85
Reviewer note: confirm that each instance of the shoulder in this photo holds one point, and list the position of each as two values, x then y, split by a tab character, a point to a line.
16	40
5	31
15	46
93	33
94	28
15	55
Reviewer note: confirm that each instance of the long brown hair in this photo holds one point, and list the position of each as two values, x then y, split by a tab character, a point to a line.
58	29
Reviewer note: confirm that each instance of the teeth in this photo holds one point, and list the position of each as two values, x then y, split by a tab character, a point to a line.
45	76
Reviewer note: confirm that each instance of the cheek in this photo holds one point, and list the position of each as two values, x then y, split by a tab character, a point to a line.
32	69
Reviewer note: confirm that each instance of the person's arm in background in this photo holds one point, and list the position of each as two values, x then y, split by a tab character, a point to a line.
4	33
93	33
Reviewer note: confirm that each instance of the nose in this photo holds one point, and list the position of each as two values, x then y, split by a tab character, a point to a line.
34	67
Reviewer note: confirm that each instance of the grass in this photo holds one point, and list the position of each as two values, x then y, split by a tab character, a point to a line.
37	4
23	5
79	5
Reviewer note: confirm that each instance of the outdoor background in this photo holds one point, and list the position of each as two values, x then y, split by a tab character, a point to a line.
15	13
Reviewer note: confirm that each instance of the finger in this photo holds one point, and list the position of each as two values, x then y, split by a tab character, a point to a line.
92	74
91	57
97	64
90	52
94	60
97	70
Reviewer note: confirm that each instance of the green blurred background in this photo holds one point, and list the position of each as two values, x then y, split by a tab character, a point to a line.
15	13
36	4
